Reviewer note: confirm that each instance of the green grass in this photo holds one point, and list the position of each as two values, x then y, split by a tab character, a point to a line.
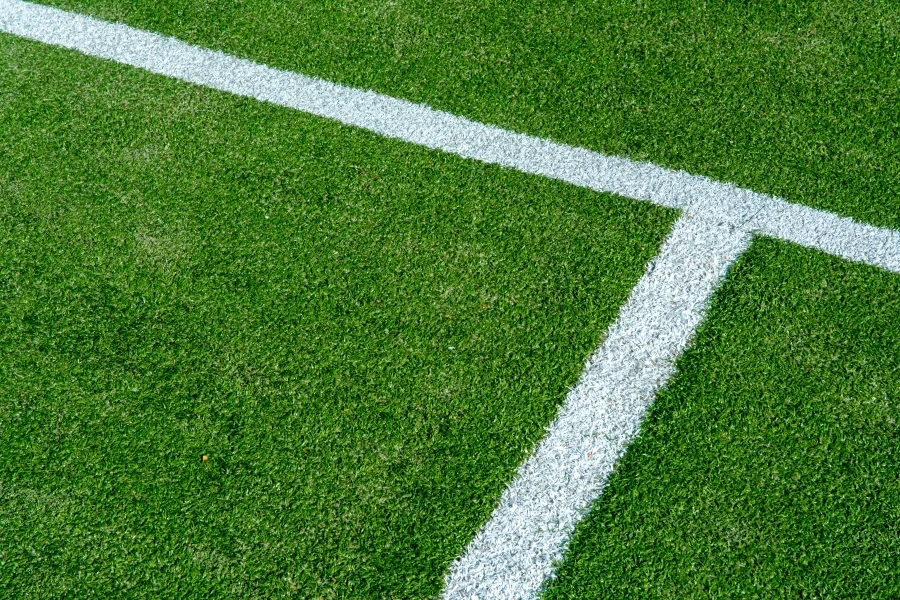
770	466
798	99
364	337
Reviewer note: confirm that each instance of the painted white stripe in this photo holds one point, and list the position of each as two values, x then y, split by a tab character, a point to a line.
515	552
419	124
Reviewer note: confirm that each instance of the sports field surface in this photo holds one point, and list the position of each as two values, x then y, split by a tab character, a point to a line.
484	300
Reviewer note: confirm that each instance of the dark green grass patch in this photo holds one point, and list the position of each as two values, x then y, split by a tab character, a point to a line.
770	467
245	352
797	99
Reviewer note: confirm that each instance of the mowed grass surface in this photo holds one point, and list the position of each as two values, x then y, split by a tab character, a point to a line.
796	98
770	466
365	339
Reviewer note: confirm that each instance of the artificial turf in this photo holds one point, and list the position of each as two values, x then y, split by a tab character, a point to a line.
770	466
245	352
363	338
796	98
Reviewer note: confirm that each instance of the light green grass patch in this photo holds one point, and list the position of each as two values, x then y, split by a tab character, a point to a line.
365	338
770	466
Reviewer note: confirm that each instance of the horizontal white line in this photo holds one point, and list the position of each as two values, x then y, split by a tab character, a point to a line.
515	552
419	124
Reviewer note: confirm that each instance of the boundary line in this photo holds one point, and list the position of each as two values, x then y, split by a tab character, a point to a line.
517	550
424	126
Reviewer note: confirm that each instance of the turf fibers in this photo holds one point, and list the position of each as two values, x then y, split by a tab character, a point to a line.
365	338
797	99
251	353
770	466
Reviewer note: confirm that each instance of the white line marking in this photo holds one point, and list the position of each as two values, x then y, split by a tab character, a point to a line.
419	124
515	552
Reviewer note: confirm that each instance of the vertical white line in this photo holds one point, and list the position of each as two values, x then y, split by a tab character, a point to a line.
518	548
